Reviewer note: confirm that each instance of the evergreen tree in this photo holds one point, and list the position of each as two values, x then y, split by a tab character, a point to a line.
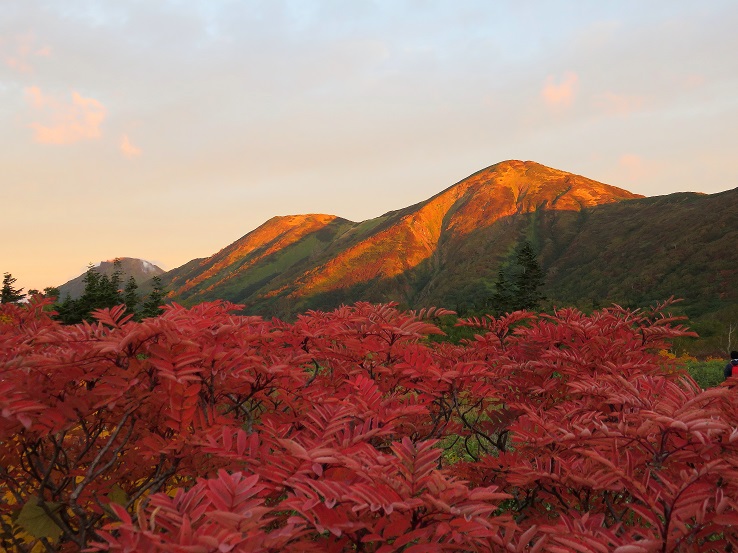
69	310
90	297
97	287
101	291
108	292
503	298
51	292
518	283
116	280
9	293
130	296
530	278
151	307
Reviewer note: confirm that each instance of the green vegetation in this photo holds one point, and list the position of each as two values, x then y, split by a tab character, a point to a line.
707	374
130	295
9	293
518	283
637	252
152	306
103	292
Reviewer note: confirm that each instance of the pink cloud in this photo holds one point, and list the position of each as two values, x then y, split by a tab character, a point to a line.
560	94
619	104
65	122
128	149
20	50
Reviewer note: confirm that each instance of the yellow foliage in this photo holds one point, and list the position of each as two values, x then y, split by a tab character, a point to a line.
683	358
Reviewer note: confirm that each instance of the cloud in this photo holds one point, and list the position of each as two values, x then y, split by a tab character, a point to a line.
128	149
619	104
65	122
560	95
20	50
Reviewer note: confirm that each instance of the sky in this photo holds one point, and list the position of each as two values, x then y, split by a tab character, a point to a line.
165	130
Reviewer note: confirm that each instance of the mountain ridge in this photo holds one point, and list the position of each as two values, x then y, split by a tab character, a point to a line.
289	259
598	245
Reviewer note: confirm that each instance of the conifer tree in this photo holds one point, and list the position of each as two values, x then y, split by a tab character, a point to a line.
108	293
97	286
9	293
101	291
68	310
130	295
151	307
91	295
51	292
530	278
116	283
518	284
503	298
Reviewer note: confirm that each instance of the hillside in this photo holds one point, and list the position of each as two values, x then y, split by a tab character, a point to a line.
646	250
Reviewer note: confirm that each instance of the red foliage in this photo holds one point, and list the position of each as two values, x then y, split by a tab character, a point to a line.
204	431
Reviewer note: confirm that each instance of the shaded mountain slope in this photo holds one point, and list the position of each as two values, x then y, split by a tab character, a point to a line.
643	251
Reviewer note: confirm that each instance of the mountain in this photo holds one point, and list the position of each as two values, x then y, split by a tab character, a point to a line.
443	251
139	269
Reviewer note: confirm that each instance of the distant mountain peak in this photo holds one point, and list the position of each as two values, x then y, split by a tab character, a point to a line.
140	269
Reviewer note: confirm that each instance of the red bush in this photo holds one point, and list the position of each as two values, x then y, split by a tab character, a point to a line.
205	431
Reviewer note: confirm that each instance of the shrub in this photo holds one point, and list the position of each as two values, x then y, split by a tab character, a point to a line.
204	431
707	374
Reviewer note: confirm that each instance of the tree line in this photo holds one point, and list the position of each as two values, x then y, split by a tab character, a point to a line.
101	291
518	287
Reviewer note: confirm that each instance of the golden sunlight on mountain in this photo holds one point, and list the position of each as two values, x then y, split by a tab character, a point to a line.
502	190
274	235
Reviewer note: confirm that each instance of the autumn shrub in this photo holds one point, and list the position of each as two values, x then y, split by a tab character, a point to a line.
201	430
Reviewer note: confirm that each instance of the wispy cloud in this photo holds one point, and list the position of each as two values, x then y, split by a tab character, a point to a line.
18	52
65	121
128	149
560	94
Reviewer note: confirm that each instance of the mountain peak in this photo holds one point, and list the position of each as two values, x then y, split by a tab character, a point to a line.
513	187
